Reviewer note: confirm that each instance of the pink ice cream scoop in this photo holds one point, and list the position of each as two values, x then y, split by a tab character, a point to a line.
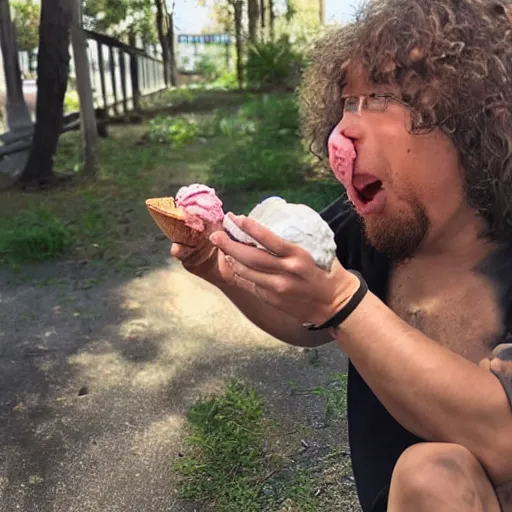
342	156
201	205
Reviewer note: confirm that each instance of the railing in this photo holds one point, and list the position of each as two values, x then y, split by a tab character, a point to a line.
120	75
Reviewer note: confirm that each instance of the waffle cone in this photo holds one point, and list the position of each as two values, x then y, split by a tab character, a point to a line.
171	220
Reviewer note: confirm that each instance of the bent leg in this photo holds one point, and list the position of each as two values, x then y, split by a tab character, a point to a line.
440	477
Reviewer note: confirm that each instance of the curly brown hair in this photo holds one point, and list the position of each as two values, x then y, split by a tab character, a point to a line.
452	61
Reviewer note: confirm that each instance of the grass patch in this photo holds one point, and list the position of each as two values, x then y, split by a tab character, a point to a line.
232	462
226	436
247	152
33	236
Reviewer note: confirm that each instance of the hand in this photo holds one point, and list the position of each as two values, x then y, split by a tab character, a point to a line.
286	276
203	261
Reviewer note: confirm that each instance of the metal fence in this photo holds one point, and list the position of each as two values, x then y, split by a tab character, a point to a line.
121	75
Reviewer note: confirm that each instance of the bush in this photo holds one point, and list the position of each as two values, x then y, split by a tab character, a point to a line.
256	164
275	114
33	236
208	67
266	154
174	130
274	65
227	80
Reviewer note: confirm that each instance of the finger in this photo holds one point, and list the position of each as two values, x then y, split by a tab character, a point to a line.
180	252
249	286
271	282
251	257
192	257
264	236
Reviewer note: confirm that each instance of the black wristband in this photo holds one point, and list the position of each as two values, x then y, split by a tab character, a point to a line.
343	314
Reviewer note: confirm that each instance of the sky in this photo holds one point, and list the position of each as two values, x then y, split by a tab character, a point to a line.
191	19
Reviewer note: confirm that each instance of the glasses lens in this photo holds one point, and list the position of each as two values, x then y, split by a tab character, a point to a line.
376	103
351	104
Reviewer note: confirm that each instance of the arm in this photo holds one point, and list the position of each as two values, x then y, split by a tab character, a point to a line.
276	323
430	390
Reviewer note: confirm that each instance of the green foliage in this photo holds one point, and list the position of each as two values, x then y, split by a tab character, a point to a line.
248	153
269	154
316	194
301	23
208	67
26	19
225	438
274	65
226	465
33	235
226	80
71	101
111	17
175	130
335	394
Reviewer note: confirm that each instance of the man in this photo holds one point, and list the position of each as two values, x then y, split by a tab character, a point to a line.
422	89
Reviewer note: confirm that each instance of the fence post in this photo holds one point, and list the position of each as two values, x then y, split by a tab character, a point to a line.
134	73
113	77
101	65
83	80
122	68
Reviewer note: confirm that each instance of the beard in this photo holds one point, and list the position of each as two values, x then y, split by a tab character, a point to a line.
398	236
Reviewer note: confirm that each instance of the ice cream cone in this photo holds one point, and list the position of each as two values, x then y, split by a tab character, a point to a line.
171	220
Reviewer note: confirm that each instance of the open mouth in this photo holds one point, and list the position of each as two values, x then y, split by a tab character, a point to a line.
367	187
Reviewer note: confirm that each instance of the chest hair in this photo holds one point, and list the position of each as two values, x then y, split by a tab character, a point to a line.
457	307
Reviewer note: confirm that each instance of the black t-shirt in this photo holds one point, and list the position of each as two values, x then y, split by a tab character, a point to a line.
376	439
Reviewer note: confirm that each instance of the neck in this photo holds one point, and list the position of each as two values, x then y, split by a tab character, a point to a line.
459	237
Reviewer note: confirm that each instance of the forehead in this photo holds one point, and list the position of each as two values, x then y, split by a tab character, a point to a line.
357	82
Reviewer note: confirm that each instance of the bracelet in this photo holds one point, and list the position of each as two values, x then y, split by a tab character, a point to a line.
344	313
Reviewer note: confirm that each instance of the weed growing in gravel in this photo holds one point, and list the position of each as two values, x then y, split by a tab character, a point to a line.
232	462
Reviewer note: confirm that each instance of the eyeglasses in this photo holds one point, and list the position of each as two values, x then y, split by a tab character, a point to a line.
372	103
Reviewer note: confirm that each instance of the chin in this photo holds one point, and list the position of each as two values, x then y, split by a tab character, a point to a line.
398	235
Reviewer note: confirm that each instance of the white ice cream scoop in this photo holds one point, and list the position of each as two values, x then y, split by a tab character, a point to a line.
295	223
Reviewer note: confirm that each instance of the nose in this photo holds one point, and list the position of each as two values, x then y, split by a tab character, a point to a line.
347	128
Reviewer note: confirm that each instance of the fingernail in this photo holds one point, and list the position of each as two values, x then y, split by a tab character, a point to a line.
229	260
214	238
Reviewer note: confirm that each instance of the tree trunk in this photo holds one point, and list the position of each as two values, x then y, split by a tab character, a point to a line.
83	79
253	13
18	117
272	20
238	5
163	38
172	49
52	80
322	11
263	12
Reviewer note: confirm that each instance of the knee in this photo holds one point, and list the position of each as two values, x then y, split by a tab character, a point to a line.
429	470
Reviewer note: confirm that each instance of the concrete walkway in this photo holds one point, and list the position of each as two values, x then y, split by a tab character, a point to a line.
96	371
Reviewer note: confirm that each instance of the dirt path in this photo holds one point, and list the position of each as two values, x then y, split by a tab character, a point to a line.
96	371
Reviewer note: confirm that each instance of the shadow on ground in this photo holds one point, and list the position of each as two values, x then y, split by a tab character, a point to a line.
96	372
